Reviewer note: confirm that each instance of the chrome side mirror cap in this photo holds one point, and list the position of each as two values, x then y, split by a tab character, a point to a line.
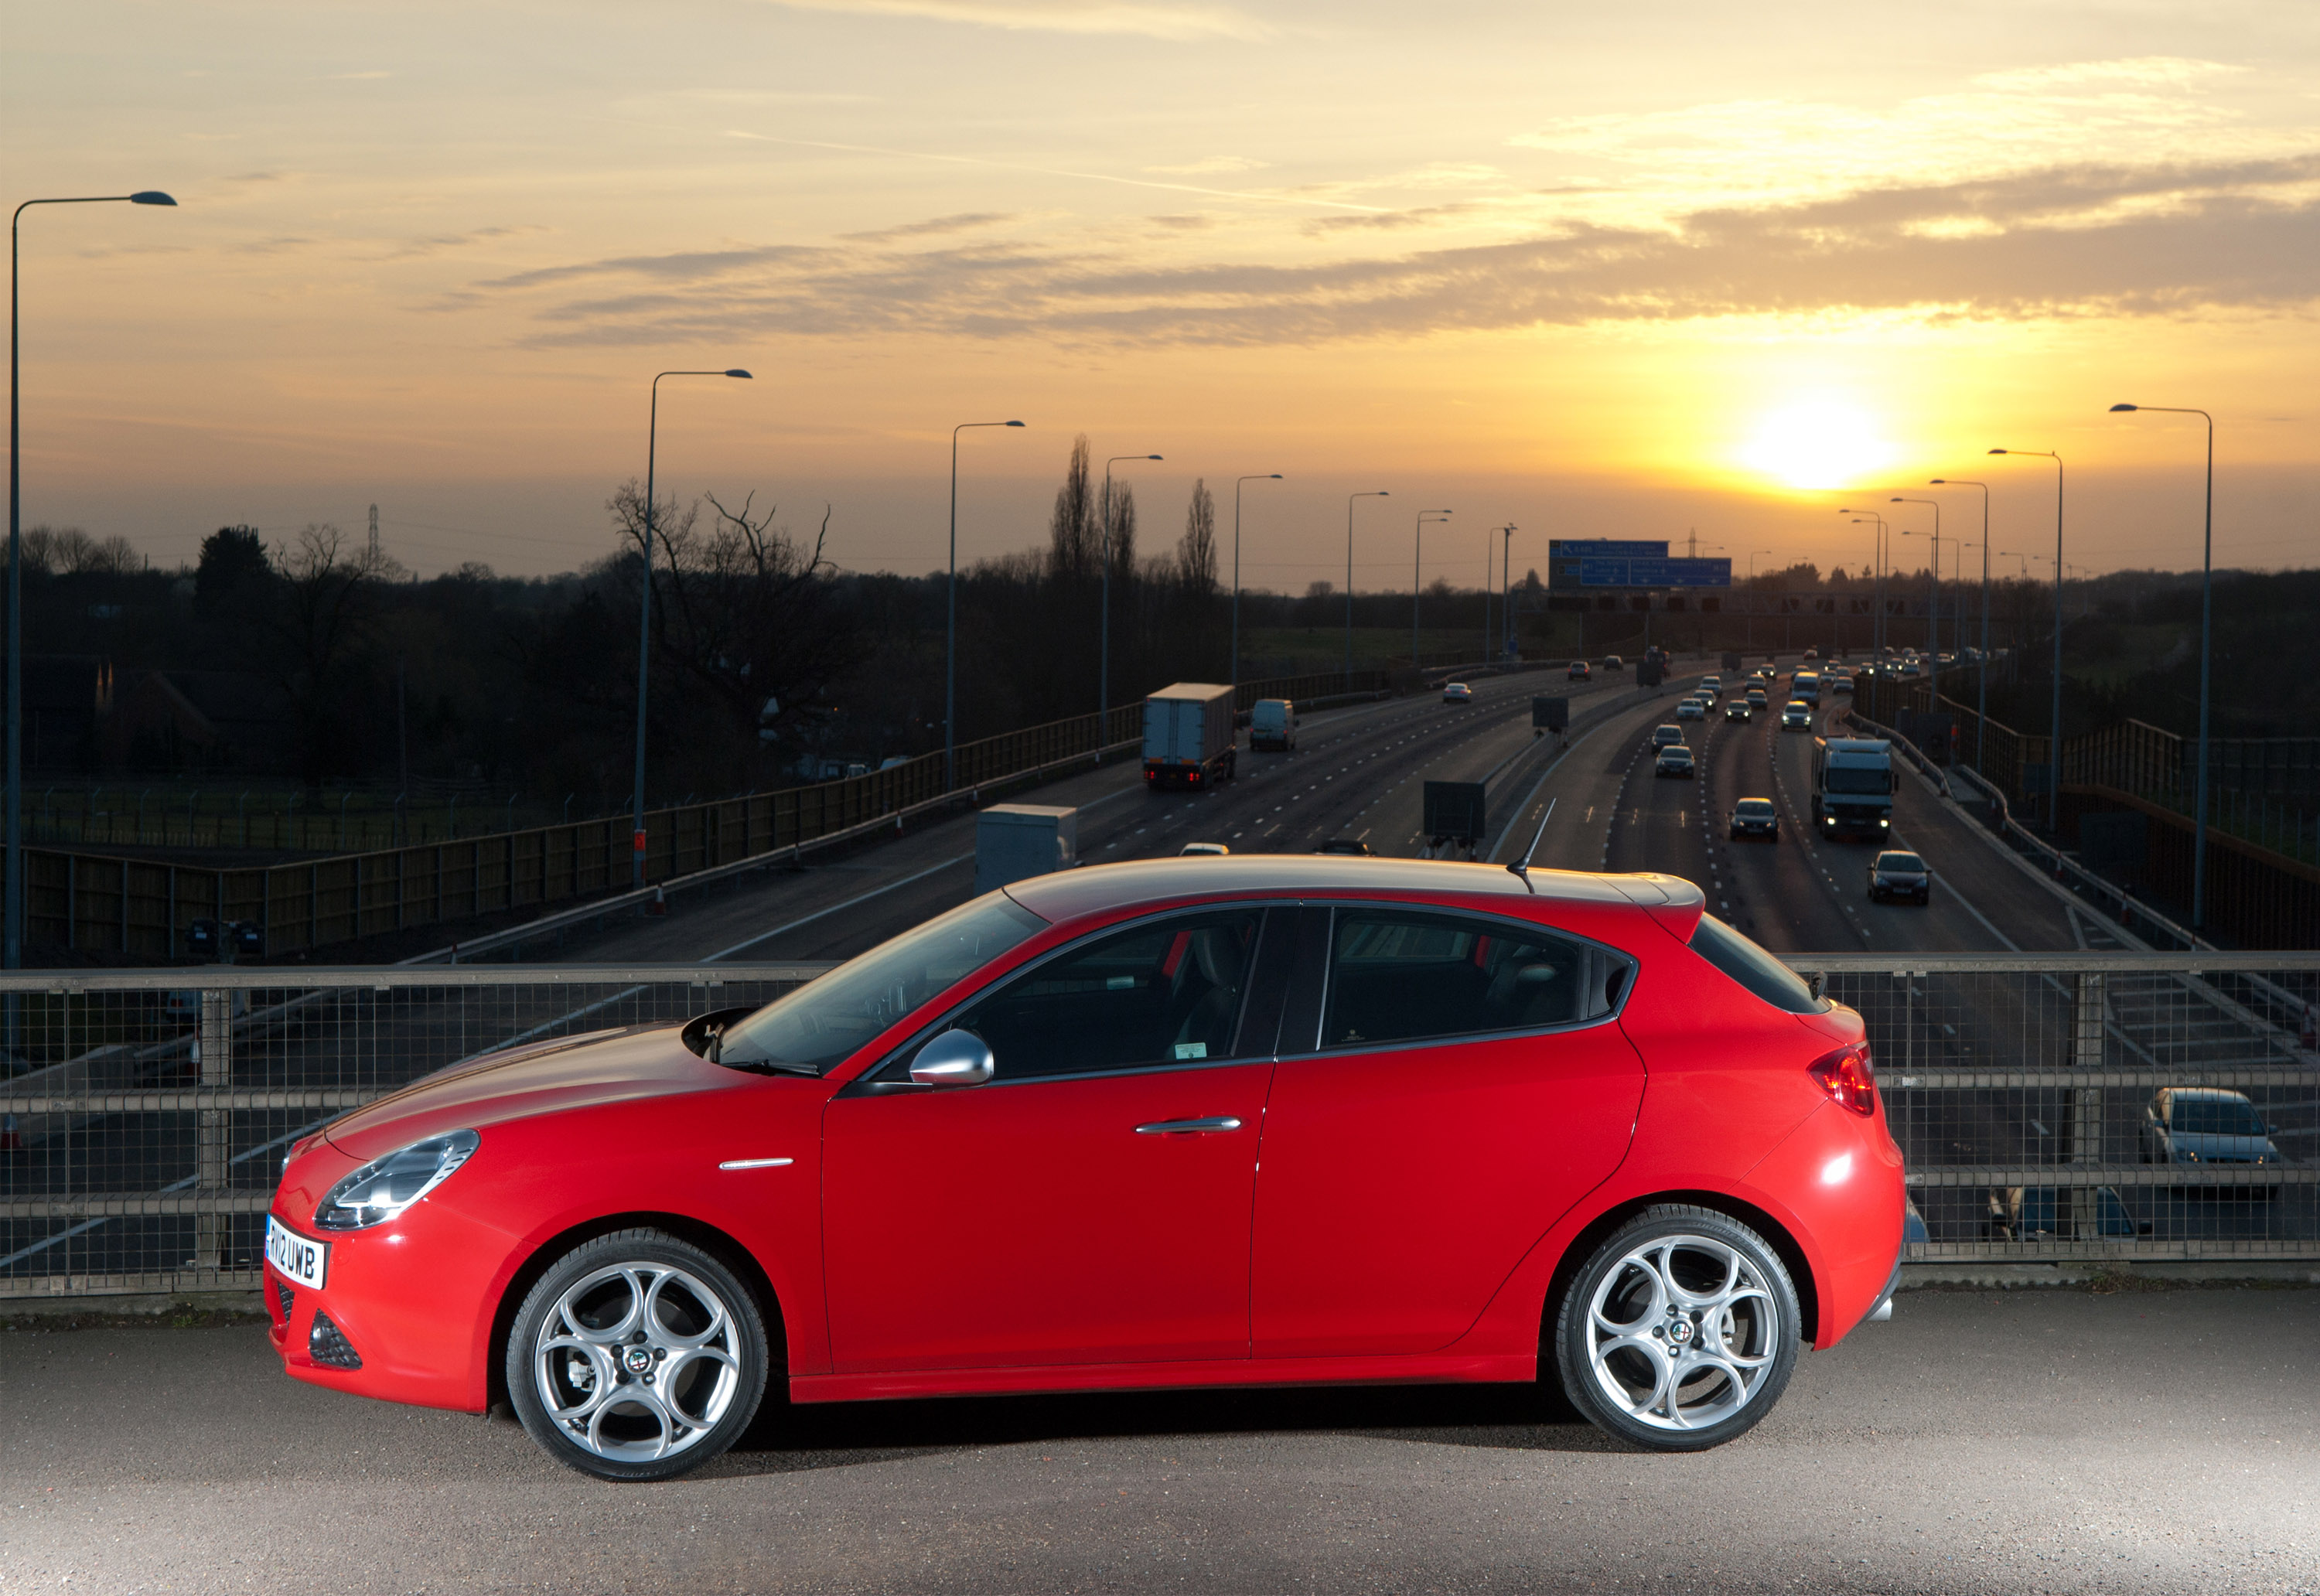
953	1058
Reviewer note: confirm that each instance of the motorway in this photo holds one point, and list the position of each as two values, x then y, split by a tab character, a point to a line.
2030	1441
1357	772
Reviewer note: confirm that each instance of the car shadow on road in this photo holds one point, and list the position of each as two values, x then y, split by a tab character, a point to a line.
787	1440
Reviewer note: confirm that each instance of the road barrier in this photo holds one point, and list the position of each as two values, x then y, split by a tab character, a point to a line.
142	908
144	1123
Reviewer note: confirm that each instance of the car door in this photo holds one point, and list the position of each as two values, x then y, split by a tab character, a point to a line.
1090	1203
1466	1086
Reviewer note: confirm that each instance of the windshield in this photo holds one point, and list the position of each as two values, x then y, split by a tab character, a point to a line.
821	1022
2216	1116
1907	864
1838	779
1757	806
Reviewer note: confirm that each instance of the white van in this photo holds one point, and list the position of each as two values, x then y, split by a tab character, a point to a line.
1273	724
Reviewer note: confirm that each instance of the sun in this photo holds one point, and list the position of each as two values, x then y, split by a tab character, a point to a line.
1817	443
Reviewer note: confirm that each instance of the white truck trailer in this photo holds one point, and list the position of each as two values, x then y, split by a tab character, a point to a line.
1188	736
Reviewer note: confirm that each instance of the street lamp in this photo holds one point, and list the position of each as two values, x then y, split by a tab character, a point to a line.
13	916
950	629
1417	571
1877	621
1982	675
2055	723
1377	494
1103	678
1933	612
2206	624
1507	575
1753	553
1258	476
644	624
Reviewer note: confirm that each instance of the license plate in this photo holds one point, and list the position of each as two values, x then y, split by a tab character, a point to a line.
297	1260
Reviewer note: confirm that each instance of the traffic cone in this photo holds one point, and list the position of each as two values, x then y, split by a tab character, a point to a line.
659	905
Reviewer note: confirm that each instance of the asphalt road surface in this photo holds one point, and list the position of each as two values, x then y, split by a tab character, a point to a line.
2047	1441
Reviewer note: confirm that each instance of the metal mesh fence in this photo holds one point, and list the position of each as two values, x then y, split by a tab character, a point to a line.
2130	1106
142	1128
2049	1106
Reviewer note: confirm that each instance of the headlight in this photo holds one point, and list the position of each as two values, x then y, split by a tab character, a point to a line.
382	1188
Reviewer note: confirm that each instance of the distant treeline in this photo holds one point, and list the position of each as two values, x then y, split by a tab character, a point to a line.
313	659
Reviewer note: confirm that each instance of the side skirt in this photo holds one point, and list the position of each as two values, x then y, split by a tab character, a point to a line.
1426	1369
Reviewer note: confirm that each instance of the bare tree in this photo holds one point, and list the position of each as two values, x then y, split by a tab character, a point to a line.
1196	553
750	614
1072	532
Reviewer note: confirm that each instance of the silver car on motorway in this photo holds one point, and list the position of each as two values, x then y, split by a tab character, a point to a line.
2205	1125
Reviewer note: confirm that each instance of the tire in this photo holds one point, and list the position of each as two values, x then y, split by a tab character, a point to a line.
619	1314
1739	1337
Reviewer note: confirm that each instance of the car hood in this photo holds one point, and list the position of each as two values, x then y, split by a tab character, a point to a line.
600	1067
2224	1149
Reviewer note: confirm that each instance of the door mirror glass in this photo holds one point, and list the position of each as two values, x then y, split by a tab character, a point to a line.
953	1058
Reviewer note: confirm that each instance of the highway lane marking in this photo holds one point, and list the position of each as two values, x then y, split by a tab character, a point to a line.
874	892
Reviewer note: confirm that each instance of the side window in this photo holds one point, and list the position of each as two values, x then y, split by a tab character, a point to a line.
1398	976
1161	994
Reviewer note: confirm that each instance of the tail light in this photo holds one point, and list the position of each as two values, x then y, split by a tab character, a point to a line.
1848	1078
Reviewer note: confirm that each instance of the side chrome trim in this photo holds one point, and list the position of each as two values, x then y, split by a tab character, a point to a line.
1222	1122
756	1163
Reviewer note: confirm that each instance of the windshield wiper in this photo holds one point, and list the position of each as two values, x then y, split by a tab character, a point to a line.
762	1066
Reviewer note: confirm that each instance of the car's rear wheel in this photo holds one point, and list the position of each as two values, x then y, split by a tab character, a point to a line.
1679	1332
637	1356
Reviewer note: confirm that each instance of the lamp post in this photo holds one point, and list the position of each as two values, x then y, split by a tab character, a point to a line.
644	623
2206	655
1417	572
951	626
13	915
1258	476
2054	721
1375	494
1933	610
1876	620
1507	575
1753	553
1103	677
1981	671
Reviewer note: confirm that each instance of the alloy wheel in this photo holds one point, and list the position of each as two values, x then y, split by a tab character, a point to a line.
1681	1333
636	1362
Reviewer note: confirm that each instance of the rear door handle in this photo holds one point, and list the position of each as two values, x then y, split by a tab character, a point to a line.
1221	1122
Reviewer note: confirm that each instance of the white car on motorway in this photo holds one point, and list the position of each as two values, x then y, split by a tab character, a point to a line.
1692	709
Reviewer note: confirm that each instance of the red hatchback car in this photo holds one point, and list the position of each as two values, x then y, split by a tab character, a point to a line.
1507	1124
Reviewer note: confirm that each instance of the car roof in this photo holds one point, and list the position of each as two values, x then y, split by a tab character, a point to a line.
1068	895
1767	802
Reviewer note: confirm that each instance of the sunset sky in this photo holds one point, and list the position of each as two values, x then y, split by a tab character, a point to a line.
1597	270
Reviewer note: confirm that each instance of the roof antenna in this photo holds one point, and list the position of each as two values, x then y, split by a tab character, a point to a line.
1521	867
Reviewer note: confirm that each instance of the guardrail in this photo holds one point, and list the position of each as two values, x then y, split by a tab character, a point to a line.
139	1139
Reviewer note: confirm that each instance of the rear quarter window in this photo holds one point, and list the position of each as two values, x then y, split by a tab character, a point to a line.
1755	968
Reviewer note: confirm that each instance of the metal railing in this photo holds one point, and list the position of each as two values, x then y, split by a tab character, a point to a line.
142	1123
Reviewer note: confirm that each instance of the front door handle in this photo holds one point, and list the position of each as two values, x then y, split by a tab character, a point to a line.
1221	1122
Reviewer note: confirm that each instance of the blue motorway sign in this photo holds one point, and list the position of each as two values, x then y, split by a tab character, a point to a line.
1605	572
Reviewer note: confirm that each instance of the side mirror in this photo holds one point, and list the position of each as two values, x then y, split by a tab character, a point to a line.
1816	981
953	1058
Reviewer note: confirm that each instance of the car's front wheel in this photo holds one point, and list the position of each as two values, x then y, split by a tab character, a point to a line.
637	1356
1679	1332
